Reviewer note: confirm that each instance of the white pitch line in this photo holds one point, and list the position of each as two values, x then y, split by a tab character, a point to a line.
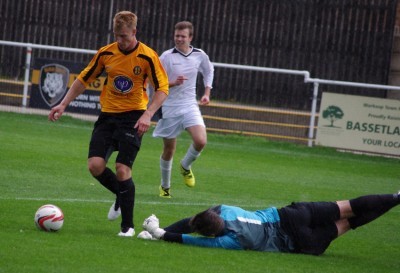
72	200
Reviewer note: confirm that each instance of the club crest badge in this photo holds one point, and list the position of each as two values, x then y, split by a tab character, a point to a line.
53	83
137	70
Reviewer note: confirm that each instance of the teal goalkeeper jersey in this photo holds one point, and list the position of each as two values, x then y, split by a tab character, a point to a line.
250	230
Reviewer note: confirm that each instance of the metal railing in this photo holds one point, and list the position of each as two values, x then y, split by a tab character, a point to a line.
305	74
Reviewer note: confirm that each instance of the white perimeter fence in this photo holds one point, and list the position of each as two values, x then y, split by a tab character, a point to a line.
305	74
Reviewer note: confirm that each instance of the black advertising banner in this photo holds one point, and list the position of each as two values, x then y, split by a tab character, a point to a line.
51	79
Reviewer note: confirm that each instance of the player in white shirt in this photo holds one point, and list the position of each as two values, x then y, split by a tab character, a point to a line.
180	110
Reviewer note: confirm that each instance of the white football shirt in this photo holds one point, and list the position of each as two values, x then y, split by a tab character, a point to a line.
176	63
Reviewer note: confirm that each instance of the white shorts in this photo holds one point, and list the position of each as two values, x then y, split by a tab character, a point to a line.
172	127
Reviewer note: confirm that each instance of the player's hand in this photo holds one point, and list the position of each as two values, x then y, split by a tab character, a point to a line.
205	100
143	124
180	80
56	113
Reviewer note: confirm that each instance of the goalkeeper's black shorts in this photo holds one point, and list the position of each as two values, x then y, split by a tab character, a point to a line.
311	225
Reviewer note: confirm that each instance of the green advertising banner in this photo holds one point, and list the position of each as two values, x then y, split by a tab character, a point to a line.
359	123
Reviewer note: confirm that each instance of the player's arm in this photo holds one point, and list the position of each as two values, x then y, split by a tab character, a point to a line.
156	102
76	89
160	84
178	81
191	240
159	96
205	99
166	63
226	241
88	75
143	124
207	69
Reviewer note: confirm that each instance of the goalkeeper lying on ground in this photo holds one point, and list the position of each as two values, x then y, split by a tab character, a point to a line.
304	227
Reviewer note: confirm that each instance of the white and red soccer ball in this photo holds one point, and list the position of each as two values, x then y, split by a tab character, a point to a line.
49	218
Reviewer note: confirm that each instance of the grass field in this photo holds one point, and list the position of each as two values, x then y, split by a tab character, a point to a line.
43	162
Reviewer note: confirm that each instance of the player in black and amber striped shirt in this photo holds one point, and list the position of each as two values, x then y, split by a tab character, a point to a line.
127	73
124	116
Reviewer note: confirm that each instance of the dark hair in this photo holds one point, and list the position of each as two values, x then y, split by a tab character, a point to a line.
185	25
207	223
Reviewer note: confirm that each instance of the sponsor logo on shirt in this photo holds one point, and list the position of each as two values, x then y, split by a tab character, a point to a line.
123	84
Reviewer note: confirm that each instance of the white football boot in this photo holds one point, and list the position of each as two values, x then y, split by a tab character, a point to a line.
129	233
112	213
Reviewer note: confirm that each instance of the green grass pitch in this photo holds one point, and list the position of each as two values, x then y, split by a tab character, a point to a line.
43	162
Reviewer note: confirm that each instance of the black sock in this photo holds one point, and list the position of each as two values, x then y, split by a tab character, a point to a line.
173	237
127	202
368	208
109	180
182	226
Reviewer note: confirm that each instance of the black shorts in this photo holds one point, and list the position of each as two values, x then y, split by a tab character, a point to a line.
311	225
115	132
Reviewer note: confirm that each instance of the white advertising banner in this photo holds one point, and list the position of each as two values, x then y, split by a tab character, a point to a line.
359	123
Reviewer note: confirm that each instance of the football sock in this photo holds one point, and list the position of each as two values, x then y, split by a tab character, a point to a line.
190	156
173	237
368	208
109	180
127	202
182	226
165	167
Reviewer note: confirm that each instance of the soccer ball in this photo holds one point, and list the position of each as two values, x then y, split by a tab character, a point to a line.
49	218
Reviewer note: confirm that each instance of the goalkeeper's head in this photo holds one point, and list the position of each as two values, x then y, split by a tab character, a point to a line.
208	223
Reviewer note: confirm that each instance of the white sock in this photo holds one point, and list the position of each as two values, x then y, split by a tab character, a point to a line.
165	167
190	157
